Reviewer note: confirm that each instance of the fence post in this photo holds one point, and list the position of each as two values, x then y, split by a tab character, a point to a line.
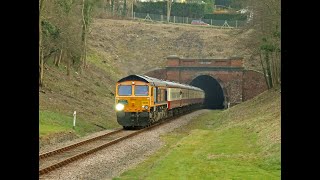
236	23
187	20
74	119
211	22
174	19
161	17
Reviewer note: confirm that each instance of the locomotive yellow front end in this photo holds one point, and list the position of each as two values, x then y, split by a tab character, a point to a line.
132	103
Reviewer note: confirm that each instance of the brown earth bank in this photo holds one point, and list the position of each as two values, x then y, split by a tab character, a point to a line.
56	138
136	47
122	47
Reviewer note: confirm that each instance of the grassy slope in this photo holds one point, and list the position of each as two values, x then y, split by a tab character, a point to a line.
242	142
89	93
118	48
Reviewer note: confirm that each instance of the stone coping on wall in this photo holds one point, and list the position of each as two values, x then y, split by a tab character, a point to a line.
202	68
199	59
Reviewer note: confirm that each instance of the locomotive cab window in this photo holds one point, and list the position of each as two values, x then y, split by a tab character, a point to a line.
141	90
124	90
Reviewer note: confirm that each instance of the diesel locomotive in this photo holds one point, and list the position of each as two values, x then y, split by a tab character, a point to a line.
142	100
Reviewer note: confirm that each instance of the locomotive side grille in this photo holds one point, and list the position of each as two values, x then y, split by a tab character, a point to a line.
123	101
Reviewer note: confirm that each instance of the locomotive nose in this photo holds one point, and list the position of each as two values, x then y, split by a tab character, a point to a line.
137	105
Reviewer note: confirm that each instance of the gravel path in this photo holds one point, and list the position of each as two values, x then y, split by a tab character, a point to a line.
114	160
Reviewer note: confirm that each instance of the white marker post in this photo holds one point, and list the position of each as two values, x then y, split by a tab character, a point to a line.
74	119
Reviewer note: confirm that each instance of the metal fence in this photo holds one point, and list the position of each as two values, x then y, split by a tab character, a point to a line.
187	20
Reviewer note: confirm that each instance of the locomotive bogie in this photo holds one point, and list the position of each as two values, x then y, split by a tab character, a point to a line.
133	119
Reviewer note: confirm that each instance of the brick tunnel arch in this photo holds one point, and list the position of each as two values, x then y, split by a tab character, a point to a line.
216	96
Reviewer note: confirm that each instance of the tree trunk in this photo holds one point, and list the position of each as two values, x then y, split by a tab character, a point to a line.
68	64
40	63
40	60
105	6
41	6
278	58
55	58
112	7
132	8
41	70
85	52
274	68
264	70
124	14
169	3
60	57
84	35
269	69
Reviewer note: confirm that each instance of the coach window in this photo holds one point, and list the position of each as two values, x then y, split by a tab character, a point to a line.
124	90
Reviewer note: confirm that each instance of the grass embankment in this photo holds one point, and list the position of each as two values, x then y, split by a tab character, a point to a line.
242	142
52	122
90	94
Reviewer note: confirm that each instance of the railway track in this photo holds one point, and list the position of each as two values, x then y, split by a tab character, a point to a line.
52	160
55	159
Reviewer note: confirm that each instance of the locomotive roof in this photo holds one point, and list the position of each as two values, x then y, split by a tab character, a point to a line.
157	82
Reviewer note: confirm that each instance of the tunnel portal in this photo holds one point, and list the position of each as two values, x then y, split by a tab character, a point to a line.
214	98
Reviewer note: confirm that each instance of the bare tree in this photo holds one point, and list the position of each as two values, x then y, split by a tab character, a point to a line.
124	10
41	6
132	3
64	27
84	34
265	18
169	4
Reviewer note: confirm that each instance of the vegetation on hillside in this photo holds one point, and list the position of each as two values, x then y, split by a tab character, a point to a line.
265	42
242	142
64	27
191	10
81	57
90	94
70	76
117	48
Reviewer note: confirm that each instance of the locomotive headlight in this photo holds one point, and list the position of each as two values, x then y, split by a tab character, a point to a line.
119	107
145	107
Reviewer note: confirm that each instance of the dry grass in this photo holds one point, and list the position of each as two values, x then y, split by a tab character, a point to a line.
136	47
